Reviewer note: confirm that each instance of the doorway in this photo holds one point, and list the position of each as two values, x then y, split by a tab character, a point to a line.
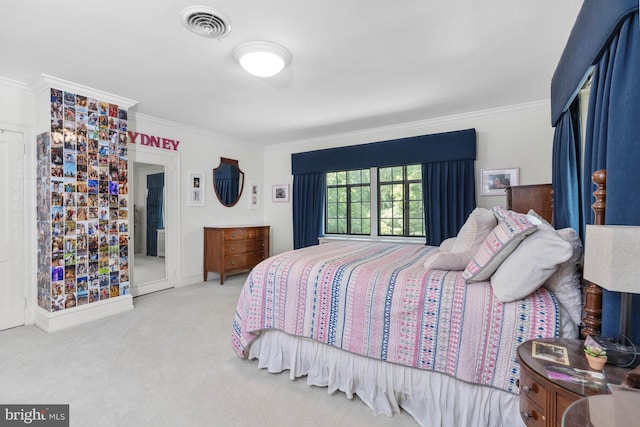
12	230
154	225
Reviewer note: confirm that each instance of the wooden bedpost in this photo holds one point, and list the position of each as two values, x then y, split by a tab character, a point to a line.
593	292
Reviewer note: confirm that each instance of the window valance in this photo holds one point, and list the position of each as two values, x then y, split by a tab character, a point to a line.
457	145
596	23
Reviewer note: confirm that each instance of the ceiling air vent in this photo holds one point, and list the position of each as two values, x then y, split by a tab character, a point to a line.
205	22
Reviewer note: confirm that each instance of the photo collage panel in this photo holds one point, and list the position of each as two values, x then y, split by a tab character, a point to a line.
83	209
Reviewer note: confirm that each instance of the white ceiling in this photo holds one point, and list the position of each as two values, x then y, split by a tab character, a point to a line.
357	64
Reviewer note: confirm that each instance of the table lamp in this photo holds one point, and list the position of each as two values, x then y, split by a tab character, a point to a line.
611	262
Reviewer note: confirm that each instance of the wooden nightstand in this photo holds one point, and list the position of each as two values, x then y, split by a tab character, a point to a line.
543	400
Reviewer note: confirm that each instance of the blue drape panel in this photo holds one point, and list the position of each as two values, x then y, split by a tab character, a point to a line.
613	142
308	209
567	210
448	192
155	203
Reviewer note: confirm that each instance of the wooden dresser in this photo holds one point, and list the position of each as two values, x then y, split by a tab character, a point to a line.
539	197
234	248
543	400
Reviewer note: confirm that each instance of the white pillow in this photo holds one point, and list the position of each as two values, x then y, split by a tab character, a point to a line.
447	244
537	215
530	264
475	229
470	237
565	282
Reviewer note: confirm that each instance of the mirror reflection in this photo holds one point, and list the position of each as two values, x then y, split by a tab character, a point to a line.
149	263
228	181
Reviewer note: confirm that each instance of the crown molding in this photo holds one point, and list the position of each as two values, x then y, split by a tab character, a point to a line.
45	81
14	85
203	132
409	128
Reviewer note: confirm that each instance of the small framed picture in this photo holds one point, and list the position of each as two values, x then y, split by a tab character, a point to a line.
280	193
550	352
495	181
254	195
196	189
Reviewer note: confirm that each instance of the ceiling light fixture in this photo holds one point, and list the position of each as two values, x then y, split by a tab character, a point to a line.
262	59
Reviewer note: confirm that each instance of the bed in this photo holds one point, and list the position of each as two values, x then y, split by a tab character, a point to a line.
429	330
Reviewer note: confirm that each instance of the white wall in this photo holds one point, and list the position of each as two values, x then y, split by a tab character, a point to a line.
17	104
518	136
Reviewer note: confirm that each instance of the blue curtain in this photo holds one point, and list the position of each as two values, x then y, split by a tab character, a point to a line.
613	142
227	183
567	210
308	209
448	192
155	203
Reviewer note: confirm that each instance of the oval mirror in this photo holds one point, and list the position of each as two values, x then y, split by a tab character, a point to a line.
228	181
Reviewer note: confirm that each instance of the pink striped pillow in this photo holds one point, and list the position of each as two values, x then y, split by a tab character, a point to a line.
502	240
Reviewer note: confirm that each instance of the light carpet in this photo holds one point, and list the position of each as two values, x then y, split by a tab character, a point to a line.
167	362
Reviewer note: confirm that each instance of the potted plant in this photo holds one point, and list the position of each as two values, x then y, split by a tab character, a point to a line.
596	356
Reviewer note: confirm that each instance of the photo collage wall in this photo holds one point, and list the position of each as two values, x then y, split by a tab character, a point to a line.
83	210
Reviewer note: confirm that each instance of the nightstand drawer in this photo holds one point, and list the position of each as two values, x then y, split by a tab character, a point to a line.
531	414
530	389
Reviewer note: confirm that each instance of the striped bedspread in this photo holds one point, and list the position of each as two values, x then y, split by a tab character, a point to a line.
377	300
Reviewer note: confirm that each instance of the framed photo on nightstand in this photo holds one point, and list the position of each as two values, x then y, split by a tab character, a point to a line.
550	352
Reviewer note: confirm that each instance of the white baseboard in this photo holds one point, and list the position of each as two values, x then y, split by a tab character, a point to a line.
57	320
190	280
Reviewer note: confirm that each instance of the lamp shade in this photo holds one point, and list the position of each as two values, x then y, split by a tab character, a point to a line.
262	59
611	257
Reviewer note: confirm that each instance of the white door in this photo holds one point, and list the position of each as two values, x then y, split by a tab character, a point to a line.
12	230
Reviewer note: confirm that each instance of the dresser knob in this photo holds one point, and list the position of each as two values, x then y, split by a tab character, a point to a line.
526	416
233	234
233	248
526	389
233	263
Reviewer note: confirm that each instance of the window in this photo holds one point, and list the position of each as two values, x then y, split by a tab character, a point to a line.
400	211
348	202
397	204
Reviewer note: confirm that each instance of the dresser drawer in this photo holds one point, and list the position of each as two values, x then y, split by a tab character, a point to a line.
530	389
244	246
237	262
531	414
244	233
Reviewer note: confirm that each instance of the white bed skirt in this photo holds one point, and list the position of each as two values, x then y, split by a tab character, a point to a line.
431	398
